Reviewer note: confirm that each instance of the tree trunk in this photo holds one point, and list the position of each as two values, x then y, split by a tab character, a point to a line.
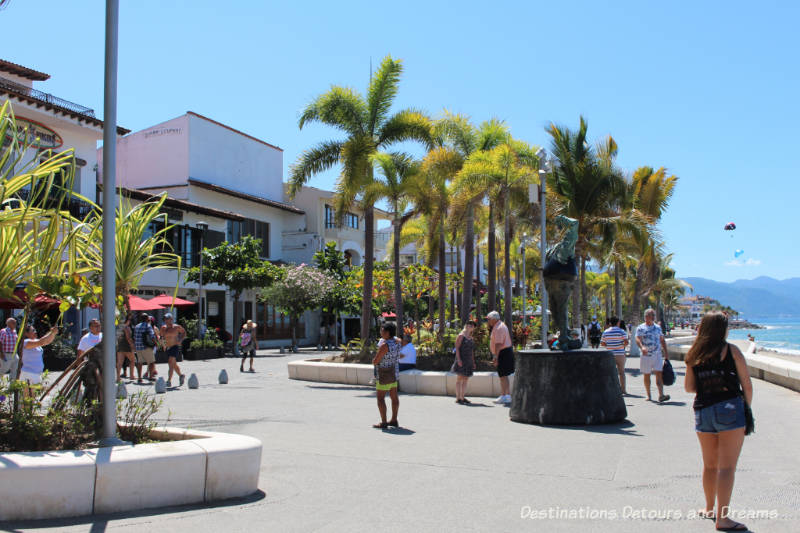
460	283
576	303
584	296
398	288
442	279
617	296
453	291
507	294
293	322
492	257
369	262
478	306
236	325
469	249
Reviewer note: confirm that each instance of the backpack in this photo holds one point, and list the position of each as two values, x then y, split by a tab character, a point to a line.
594	329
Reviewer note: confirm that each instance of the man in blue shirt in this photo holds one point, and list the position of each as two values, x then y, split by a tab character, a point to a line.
654	350
144	340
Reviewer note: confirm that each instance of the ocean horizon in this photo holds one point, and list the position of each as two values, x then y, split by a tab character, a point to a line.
781	334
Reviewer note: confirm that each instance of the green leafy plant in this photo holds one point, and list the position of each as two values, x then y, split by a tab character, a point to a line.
135	417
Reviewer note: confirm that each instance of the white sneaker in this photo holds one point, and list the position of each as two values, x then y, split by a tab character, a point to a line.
500	399
507	398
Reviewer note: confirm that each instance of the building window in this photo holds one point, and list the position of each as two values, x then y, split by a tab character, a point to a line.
255	228
407	259
275	325
330	217
450	259
351	220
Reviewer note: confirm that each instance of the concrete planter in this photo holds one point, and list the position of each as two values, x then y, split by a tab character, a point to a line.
187	467
432	383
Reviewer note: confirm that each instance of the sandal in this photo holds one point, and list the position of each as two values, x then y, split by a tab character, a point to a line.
664	398
393	423
466	402
382	425
459	401
735	527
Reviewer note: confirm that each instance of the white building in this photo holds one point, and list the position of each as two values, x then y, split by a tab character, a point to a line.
56	124
321	228
204	163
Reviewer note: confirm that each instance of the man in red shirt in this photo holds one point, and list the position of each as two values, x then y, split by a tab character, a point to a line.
9	360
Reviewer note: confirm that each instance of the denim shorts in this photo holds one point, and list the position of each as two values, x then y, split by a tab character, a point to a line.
722	416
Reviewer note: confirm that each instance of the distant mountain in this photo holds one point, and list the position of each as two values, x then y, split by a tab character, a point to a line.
760	297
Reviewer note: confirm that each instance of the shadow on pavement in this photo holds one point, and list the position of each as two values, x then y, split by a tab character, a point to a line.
341	387
617	428
399	431
100	522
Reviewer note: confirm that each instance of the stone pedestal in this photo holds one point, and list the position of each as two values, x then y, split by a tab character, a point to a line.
579	387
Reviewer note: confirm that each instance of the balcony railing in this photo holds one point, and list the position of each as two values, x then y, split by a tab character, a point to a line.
45	97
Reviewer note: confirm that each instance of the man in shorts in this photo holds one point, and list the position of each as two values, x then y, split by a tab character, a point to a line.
9	360
654	350
144	339
503	354
615	339
172	336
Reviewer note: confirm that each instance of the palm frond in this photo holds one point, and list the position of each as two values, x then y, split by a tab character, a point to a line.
382	91
313	161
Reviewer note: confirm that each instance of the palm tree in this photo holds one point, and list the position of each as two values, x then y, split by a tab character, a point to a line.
440	166
397	178
505	171
369	128
469	140
651	191
586	184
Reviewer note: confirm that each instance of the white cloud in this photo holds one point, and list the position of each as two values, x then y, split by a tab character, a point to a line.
743	262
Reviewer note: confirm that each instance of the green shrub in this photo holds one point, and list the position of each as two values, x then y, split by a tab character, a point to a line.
135	417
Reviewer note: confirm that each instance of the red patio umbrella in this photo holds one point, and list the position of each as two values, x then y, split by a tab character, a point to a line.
388	315
169	301
140	304
41	301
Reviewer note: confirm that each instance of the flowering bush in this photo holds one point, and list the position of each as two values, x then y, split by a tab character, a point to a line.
300	288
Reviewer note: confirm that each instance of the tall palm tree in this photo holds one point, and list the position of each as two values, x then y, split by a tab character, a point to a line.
440	165
586	184
396	179
469	140
505	172
651	191
369	127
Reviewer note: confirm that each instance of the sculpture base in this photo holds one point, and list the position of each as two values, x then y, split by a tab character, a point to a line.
579	387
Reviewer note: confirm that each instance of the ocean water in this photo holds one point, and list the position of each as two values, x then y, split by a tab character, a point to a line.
782	335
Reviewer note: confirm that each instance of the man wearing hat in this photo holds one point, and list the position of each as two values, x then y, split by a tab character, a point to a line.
503	354
144	339
172	336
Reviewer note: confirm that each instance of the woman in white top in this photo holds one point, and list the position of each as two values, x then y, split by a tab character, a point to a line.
32	360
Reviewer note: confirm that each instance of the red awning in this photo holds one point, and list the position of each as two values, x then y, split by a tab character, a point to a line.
140	304
169	301
41	301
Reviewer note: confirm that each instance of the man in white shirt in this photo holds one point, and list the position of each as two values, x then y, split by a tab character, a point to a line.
91	339
408	354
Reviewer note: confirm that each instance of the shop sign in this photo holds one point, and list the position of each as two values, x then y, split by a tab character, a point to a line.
37	134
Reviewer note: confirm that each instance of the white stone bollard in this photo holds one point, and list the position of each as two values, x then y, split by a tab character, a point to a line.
161	385
193	382
319	347
122	391
223	377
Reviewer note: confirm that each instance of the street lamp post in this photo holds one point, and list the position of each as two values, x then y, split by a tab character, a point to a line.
109	434
201	314
544	167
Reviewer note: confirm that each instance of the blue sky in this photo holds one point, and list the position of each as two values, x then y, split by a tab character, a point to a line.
707	89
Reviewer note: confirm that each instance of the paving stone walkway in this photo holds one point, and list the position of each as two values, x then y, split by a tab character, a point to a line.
463	468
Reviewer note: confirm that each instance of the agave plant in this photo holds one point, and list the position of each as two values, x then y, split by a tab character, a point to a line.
139	246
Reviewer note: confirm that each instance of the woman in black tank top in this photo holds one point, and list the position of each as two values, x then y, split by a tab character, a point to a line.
717	372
